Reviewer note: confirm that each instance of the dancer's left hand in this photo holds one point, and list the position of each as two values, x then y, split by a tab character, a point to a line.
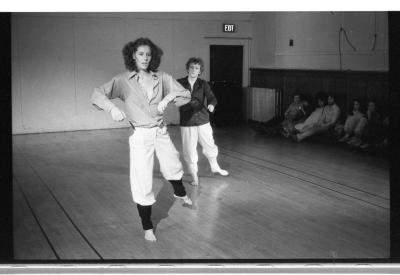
163	130
210	108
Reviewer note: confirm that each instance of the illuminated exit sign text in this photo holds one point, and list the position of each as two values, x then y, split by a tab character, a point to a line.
228	27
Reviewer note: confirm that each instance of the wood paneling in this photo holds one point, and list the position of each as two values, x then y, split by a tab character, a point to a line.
344	85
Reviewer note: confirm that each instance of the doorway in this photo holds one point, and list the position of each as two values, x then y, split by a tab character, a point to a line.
226	79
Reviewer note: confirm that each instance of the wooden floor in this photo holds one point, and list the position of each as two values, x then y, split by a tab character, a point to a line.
282	200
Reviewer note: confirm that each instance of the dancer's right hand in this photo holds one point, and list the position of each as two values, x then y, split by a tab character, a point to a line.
162	105
117	114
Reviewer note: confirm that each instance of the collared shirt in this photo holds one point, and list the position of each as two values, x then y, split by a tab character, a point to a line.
141	110
295	111
195	112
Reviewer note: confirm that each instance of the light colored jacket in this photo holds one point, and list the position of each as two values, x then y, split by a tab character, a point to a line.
141	111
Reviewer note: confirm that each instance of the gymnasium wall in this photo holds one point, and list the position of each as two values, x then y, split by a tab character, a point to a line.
57	60
315	38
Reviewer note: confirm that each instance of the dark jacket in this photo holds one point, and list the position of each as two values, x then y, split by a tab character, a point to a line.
195	113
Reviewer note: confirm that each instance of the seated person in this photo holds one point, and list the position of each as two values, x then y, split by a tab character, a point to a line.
350	126
293	115
314	117
371	128
327	121
385	141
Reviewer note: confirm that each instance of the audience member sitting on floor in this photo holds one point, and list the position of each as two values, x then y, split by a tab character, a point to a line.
315	116
351	126
372	128
294	114
329	117
385	138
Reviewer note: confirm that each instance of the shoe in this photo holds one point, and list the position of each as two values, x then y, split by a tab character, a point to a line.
285	134
185	199
355	142
352	141
344	138
364	145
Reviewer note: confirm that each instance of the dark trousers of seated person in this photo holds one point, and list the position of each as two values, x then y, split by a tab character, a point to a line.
373	134
145	210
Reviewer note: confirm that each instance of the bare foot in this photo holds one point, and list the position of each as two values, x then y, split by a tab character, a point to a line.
149	235
195	181
222	172
185	199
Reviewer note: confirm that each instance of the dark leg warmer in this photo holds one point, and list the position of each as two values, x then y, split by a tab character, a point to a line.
179	189
145	216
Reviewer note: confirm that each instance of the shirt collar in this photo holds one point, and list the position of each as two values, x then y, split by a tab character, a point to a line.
135	74
197	82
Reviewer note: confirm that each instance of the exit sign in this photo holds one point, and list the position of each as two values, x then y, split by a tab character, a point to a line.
228	27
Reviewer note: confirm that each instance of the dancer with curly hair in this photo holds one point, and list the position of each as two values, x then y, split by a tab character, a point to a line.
146	92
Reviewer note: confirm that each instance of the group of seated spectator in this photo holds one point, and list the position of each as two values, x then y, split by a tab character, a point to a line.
364	129
360	129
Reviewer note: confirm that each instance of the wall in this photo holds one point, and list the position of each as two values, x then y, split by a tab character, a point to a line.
57	60
263	50
316	40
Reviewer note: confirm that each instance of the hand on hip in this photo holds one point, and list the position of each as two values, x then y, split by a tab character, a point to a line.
162	106
117	114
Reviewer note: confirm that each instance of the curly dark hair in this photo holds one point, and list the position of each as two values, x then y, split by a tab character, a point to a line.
195	60
131	47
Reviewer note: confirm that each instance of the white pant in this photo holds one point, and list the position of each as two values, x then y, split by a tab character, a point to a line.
202	134
142	144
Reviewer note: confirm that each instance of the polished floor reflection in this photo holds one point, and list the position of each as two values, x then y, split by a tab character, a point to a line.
282	200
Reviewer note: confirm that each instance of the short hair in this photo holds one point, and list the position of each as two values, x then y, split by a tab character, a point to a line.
300	95
373	100
321	96
131	47
195	60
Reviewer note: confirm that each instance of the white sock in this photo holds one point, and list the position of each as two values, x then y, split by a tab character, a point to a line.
222	172
215	168
185	199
